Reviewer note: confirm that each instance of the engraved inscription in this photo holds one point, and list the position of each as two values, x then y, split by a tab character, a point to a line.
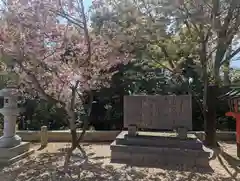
158	112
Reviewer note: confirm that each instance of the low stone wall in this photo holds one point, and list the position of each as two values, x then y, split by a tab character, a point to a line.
221	135
65	136
104	136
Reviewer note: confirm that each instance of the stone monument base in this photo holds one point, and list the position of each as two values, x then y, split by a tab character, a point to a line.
159	150
10	155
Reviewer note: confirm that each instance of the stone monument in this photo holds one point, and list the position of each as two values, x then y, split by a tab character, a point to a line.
165	139
158	112
11	146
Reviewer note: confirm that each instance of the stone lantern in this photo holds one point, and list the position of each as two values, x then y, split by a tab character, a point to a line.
10	112
11	146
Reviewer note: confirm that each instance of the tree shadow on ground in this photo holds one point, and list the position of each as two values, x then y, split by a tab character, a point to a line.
49	167
233	162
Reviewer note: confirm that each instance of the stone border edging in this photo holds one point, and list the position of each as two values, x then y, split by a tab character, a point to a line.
65	136
103	136
221	135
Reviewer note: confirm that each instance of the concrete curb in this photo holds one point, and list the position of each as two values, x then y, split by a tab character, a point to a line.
103	136
65	136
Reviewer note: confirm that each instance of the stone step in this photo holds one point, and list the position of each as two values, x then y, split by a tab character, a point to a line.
8	153
157	161
159	139
158	150
7	161
151	141
154	156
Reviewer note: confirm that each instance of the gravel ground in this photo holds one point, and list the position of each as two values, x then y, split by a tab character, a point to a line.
47	165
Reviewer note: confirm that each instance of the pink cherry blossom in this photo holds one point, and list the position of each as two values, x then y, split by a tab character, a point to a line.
53	48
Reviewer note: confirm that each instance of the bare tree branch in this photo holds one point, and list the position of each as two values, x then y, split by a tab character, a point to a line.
147	9
188	16
188	27
167	56
228	18
85	123
165	67
235	27
232	54
215	15
71	20
85	29
73	99
206	2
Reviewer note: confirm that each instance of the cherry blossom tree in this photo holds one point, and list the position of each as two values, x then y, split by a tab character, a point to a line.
56	55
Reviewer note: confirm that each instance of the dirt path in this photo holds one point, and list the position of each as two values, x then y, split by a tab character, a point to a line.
46	165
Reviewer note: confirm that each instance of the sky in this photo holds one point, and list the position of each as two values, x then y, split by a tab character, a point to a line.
235	63
87	3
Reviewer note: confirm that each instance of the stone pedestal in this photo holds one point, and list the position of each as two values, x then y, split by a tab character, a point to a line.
9	142
11	147
160	150
13	154
9	138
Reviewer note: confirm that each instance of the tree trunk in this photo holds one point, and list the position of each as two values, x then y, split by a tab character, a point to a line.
226	73
74	145
210	127
75	139
226	68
